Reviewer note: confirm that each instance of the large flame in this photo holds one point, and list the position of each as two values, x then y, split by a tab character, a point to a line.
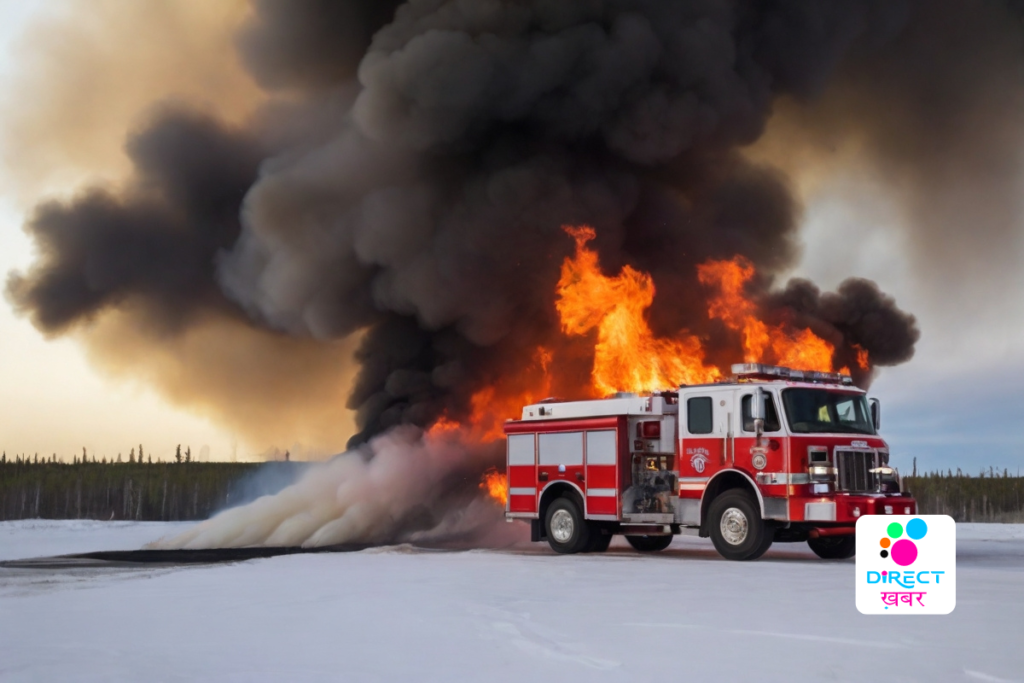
495	484
610	312
627	356
779	345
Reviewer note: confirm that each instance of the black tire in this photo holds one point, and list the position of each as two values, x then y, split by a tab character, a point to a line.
649	544
736	527
834	547
570	533
599	542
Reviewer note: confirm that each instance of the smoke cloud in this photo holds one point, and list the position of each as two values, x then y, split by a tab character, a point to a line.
405	188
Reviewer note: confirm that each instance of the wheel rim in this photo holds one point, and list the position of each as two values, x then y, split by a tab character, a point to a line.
734	526
562	526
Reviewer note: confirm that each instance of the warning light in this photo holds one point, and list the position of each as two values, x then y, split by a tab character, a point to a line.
649	430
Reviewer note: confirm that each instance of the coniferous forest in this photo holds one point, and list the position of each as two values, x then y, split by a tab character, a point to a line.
135	489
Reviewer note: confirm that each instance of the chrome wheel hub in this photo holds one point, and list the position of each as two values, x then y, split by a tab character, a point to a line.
561	526
734	526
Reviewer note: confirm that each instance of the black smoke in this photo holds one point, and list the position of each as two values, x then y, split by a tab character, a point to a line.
416	172
156	241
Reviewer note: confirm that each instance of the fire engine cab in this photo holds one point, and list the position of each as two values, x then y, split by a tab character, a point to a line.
773	454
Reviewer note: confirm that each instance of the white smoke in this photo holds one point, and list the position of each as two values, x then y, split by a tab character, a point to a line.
403	486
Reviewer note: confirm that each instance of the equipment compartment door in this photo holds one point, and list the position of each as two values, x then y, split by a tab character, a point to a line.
602	473
522	473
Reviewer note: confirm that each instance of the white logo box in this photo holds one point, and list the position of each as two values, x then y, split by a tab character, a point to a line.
918	574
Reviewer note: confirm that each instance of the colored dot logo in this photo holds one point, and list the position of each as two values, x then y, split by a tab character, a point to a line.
903	550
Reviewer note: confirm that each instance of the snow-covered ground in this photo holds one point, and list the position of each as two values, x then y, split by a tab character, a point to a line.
517	614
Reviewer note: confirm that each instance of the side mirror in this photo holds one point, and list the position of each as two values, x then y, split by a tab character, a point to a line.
757	411
876	414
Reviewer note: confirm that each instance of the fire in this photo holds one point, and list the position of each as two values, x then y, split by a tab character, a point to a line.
612	311
780	345
444	425
863	361
627	356
491	406
495	484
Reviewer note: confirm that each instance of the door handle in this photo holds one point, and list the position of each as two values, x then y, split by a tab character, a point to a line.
543	476
579	476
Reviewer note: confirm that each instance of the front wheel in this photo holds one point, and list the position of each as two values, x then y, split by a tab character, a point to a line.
567	531
834	547
736	527
649	544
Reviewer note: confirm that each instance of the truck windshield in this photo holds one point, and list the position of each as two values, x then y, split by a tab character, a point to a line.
815	411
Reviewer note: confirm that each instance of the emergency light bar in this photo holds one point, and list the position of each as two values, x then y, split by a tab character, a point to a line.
759	370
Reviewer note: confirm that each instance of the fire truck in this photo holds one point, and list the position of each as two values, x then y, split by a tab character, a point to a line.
771	455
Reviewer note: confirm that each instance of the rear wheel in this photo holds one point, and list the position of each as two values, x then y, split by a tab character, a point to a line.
736	527
834	547
567	531
649	544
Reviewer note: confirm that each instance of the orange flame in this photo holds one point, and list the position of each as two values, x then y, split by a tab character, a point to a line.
798	349
627	356
495	484
491	406
444	425
612	310
863	360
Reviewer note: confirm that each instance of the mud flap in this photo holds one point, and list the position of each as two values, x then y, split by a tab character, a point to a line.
537	530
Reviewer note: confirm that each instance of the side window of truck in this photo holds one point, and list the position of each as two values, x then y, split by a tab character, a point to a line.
698	415
771	416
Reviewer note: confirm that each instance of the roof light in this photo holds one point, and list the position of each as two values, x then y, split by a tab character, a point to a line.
759	370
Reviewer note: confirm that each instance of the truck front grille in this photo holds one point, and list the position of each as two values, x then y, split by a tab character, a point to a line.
854	470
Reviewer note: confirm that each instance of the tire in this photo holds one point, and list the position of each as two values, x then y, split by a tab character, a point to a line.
599	542
736	527
649	544
834	547
567	531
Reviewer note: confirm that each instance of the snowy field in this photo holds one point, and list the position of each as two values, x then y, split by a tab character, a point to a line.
516	614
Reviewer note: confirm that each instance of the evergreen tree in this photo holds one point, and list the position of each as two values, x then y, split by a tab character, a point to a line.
37	459
188	454
131	458
119	455
85	455
177	454
140	452
3	458
149	459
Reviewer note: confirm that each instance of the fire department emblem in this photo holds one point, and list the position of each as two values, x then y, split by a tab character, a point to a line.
698	458
759	461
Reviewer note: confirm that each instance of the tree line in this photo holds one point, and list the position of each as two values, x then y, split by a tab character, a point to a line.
990	497
133	489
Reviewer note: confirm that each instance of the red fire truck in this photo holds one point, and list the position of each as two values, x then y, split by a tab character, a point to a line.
774	454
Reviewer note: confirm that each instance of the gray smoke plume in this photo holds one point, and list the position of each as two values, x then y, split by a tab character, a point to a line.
421	157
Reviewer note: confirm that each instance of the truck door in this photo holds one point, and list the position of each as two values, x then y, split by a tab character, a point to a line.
706	434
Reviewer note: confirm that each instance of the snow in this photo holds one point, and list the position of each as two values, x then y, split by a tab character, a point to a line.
515	614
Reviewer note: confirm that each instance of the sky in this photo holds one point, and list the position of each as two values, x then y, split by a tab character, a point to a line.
52	400
957	404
